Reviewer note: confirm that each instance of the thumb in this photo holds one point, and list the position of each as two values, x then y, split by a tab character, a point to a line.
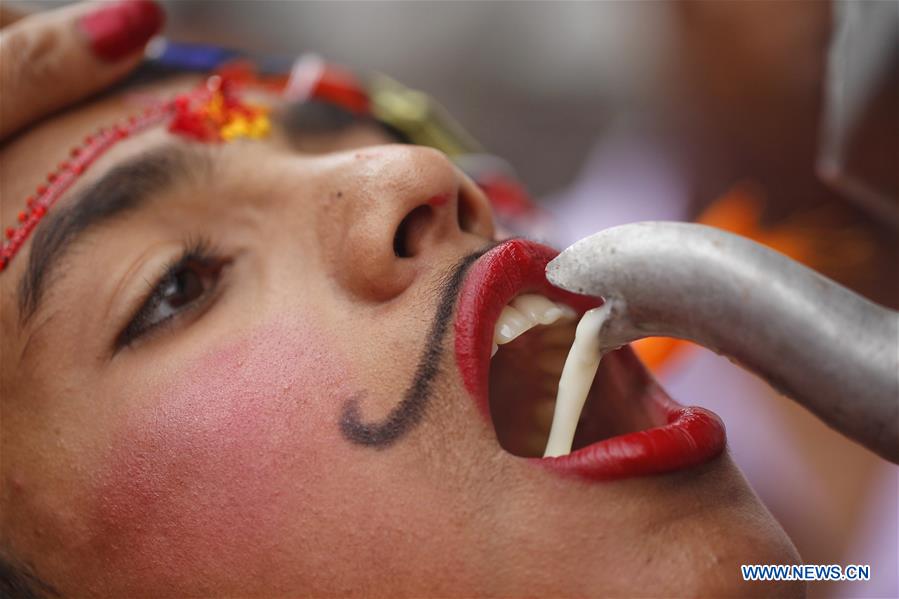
52	59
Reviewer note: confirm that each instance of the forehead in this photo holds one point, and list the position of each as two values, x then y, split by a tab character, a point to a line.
27	160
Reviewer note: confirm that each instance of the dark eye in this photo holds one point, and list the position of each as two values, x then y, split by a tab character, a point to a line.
184	286
180	289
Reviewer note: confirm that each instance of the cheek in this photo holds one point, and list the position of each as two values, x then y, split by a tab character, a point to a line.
225	461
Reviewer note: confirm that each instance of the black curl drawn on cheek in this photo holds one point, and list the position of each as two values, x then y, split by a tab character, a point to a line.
411	410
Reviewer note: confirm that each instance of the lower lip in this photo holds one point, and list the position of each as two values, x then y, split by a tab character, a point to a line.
690	435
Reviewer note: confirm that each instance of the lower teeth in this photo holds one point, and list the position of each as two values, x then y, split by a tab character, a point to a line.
575	382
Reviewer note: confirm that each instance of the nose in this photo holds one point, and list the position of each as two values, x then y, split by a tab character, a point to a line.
405	210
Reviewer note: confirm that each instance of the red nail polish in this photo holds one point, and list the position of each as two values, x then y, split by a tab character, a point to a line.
121	28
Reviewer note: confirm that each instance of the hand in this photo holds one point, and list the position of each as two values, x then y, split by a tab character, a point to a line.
52	59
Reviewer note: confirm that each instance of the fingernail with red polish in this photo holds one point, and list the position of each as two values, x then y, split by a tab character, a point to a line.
122	28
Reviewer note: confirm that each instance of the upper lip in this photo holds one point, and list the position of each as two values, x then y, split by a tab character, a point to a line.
683	437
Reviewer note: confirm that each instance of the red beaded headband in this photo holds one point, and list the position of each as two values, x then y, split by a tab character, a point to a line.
212	113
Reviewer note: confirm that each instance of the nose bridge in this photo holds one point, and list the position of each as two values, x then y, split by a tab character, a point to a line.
397	175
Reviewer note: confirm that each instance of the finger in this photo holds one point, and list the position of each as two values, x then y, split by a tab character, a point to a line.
52	59
10	14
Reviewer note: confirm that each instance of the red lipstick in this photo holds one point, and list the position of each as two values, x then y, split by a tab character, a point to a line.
682	437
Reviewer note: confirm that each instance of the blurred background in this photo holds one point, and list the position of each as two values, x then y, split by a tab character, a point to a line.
776	120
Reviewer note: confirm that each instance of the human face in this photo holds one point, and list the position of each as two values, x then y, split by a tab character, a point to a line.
215	444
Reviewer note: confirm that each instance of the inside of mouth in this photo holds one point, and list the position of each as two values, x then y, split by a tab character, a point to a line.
524	380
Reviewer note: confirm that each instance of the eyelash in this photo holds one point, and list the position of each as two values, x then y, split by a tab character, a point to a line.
198	255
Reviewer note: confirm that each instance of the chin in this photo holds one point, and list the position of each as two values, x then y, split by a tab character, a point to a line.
719	524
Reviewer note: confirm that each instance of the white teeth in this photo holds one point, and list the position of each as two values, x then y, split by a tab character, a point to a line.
537	308
511	324
526	312
493	350
568	312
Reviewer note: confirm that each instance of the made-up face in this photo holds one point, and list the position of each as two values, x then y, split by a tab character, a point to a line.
244	369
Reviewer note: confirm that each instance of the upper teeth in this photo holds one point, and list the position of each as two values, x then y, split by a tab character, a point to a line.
524	313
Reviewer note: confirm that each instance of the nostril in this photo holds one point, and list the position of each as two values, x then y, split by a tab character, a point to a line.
407	241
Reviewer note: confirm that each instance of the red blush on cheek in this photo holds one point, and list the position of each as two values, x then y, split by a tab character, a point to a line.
204	481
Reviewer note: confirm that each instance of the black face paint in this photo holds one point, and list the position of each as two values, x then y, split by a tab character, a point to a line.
409	412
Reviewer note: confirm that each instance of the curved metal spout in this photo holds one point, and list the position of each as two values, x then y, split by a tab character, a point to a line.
817	342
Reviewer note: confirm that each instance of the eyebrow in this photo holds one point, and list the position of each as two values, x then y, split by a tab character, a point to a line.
126	187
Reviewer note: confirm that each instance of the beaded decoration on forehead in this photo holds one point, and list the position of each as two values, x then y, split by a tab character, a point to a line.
212	113
215	112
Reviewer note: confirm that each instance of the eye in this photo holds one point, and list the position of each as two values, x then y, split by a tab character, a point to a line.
180	289
185	285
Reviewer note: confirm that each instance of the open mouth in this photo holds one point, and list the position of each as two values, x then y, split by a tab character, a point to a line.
514	333
535	336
